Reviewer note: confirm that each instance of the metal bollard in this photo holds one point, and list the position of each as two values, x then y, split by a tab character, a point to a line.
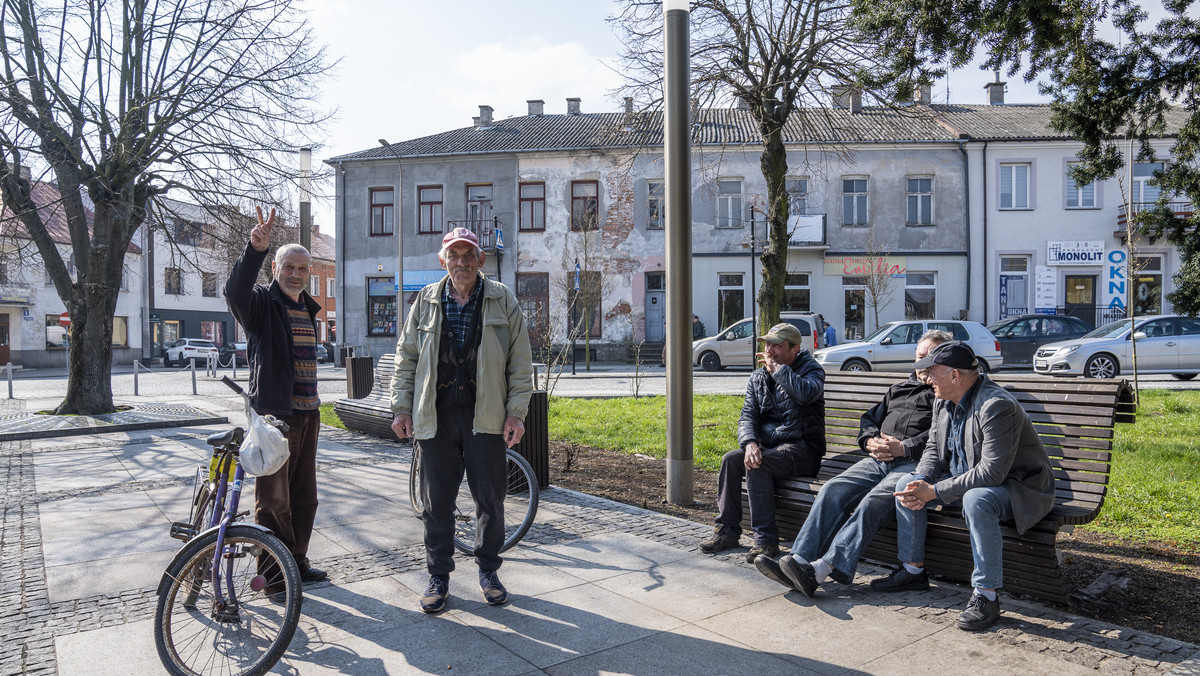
136	364
192	362
10	370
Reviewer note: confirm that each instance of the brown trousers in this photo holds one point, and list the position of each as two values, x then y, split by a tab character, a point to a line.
286	501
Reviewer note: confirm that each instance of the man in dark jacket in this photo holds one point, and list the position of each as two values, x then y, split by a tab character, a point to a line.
855	504
781	434
281	344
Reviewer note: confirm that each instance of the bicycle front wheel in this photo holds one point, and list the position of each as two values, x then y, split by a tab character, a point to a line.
243	632
520	506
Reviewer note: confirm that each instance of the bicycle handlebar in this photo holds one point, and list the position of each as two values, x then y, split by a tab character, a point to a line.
232	385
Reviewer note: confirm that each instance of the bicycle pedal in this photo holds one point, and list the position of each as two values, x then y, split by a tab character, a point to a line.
181	530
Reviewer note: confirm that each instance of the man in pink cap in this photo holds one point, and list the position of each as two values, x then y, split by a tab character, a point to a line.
464	374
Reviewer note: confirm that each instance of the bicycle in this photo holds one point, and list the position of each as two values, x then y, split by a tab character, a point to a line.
230	600
520	502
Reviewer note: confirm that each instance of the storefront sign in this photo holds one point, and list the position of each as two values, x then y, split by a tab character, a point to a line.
1045	289
856	266
1115	281
415	280
16	294
1075	253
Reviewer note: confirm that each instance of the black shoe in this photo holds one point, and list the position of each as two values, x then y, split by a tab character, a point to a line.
770	551
722	539
901	580
802	576
770	567
979	614
493	591
313	575
434	599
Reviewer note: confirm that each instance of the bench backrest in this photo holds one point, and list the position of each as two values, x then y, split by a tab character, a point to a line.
1074	418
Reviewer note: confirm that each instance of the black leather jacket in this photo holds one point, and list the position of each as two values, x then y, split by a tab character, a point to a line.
906	412
787	406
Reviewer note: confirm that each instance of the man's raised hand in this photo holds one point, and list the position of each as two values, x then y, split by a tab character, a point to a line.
260	236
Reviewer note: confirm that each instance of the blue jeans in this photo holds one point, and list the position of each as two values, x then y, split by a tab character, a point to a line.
983	509
847	513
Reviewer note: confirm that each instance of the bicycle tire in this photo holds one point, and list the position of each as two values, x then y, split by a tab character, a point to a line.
251	638
520	506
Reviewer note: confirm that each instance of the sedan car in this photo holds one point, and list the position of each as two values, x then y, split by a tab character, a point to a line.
893	346
193	349
734	346
236	351
1020	336
1164	344
322	354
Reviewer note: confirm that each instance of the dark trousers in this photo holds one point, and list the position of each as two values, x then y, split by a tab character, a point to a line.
781	462
286	501
455	449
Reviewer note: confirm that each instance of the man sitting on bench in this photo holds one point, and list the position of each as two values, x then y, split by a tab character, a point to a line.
984	455
893	433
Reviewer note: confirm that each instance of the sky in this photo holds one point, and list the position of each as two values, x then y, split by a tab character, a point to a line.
409	69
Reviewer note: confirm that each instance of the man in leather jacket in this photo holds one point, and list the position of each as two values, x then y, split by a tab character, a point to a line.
781	434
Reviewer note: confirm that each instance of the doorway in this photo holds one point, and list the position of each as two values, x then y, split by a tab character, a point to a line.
4	349
1081	297
656	302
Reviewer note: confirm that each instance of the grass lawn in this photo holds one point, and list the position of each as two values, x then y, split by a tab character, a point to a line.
330	418
1154	491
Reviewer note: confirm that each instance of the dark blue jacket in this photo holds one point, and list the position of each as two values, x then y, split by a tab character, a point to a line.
787	406
261	312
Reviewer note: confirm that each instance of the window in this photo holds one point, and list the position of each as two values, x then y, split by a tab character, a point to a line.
1079	196
1014	186
320	330
729	204
213	331
314	286
1014	286
1147	285
57	336
381	306
188	232
1143	193
731	298
920	201
330	287
920	295
479	207
208	284
429	210
854	304
656	203
383	212
585	205
533	293
796	293
172	281
533	206
854	201
797	190
585	304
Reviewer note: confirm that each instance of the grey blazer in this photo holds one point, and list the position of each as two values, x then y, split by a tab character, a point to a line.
1002	448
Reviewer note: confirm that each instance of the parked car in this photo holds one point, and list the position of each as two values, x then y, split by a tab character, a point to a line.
238	350
322	354
194	349
735	345
1165	344
893	346
1021	336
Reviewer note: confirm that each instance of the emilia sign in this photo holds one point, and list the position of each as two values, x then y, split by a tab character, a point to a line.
855	266
1075	253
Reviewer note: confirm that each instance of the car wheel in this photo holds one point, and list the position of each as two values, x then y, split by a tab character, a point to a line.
710	361
856	365
983	366
1183	376
167	360
1101	366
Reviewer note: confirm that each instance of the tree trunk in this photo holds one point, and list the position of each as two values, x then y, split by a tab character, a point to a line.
775	250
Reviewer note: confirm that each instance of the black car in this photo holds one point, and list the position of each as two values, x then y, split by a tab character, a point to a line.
237	350
1021	336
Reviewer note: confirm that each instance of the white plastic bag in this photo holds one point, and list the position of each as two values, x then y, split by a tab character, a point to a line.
264	450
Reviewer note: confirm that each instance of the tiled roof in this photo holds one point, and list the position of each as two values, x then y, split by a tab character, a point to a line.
53	214
729	127
323	246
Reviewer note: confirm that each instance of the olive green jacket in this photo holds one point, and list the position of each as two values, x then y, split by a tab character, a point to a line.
505	364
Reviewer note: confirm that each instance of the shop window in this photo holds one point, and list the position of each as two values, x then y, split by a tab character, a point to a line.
381	306
796	293
920	295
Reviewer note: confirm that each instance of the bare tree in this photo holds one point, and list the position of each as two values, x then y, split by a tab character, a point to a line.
784	60
878	284
122	101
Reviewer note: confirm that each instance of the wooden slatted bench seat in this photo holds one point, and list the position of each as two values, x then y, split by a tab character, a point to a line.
372	415
1075	419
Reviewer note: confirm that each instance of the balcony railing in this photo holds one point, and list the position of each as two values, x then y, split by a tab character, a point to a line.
484	229
807	231
1181	209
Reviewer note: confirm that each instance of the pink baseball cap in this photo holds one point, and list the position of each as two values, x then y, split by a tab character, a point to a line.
460	235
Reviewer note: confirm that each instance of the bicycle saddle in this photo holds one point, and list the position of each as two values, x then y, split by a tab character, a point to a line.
222	438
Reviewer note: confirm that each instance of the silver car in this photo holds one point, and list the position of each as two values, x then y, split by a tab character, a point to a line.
893	346
1165	344
734	346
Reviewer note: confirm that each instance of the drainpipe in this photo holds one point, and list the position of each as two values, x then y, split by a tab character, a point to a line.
983	182
967	215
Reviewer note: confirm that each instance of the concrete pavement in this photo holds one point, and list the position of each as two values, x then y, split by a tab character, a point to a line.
597	587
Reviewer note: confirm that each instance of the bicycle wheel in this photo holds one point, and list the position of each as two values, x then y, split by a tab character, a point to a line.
414	481
520	506
248	633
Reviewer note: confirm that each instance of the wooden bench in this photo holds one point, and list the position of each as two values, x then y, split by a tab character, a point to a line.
1075	419
372	414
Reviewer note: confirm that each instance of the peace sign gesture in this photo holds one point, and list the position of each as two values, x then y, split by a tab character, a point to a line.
260	236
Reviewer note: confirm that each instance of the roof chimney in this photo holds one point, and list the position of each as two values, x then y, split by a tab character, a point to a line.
924	94
995	91
475	120
742	104
629	105
573	106
485	116
536	107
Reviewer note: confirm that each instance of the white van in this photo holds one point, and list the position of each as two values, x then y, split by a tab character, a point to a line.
735	346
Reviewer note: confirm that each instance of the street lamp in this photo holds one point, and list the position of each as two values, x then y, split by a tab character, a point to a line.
399	235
